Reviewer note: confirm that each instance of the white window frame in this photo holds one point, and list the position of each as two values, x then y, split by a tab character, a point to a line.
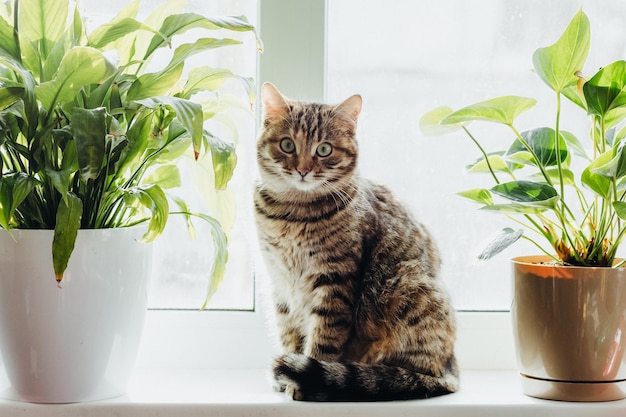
294	34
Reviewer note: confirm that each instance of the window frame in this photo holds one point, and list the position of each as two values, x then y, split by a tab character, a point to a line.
246	339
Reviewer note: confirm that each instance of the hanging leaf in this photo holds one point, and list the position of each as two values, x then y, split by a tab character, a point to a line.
180	23
220	257
499	242
224	160
154	199
211	79
68	217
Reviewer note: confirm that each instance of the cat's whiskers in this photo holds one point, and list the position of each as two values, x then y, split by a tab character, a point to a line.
343	194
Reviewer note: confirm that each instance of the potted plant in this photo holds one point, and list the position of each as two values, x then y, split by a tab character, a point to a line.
91	129
568	197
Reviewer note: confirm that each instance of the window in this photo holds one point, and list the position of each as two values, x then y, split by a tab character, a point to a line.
406	58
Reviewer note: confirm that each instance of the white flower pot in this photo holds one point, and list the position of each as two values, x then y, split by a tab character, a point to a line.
76	341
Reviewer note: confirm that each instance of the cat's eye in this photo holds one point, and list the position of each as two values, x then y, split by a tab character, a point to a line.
287	145
324	149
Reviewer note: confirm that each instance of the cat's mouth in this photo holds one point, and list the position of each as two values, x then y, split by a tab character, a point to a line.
304	183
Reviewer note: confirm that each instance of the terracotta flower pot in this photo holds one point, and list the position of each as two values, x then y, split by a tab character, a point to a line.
569	325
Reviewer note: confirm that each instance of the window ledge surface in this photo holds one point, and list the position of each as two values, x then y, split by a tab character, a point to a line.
248	393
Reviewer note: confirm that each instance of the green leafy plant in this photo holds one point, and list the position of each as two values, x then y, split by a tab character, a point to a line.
580	213
90	141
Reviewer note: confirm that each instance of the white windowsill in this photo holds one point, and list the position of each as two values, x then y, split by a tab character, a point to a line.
248	393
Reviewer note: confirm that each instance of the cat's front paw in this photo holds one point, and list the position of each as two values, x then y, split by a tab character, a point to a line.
279	386
286	369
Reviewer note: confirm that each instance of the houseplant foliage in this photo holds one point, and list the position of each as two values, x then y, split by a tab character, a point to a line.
576	216
90	131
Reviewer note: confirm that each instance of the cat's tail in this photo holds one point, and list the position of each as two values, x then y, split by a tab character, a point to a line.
307	379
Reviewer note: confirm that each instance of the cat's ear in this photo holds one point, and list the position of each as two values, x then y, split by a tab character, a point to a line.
274	104
350	109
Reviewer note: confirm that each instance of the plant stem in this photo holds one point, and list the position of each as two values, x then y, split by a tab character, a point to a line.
557	138
482	150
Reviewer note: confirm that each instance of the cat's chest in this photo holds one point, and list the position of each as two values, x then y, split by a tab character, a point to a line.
294	246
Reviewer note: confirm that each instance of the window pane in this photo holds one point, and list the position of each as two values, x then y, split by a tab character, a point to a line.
182	265
406	58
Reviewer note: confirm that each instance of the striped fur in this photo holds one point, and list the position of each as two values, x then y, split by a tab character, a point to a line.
361	310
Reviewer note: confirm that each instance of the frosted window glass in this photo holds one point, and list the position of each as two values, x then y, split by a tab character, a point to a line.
406	57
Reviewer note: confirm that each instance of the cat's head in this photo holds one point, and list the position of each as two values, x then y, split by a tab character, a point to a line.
307	147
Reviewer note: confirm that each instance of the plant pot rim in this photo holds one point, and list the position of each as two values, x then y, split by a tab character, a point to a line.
544	261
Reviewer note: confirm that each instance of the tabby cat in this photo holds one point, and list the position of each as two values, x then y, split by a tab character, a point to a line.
361	310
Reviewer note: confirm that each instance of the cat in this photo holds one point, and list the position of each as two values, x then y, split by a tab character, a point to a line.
361	310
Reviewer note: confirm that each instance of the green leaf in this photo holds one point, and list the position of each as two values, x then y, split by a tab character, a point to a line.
80	67
166	176
594	181
553	174
615	168
211	79
43	21
496	161
89	131
527	192
14	188
60	180
558	64
224	160
220	256
154	84
574	144
181	23
68	217
516	208
153	198
430	123
543	142
159	83
620	209
502	110
110	32
7	40
479	195
499	242
188	113
10	95
606	90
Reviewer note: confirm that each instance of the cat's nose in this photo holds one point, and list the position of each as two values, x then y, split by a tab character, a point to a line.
303	172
